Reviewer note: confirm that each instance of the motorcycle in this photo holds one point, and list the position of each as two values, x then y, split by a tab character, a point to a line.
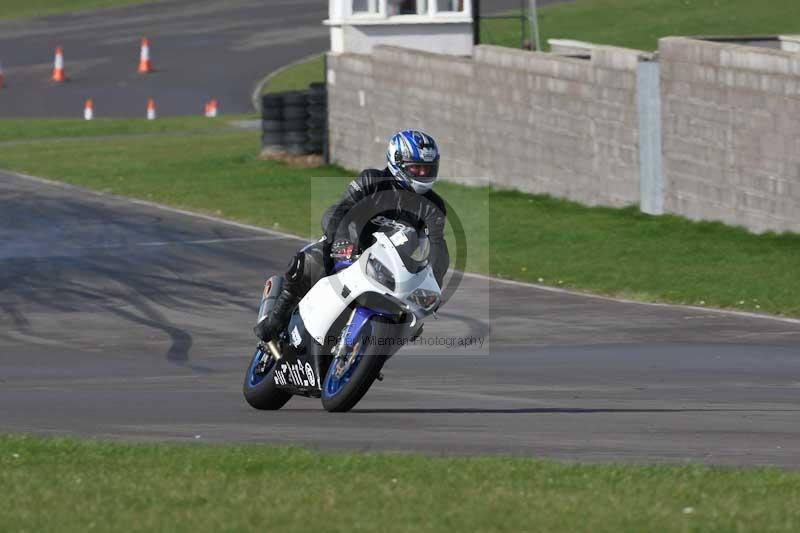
348	325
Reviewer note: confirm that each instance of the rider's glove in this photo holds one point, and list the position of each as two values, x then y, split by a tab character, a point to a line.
342	250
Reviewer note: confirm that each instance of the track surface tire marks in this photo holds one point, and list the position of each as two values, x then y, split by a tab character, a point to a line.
201	49
127	321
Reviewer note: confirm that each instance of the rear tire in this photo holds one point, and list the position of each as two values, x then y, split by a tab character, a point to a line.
272	113
295	112
294	98
295	125
372	359
270	126
260	390
272	137
318	111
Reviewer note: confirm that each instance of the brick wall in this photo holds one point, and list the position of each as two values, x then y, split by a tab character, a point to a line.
731	133
568	127
535	122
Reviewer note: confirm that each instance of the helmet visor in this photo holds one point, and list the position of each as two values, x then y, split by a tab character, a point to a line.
424	172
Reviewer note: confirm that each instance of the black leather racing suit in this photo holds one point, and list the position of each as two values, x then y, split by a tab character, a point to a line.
371	199
376	194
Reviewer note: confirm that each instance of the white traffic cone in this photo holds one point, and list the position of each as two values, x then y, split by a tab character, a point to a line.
151	109
211	109
59	74
145	66
88	109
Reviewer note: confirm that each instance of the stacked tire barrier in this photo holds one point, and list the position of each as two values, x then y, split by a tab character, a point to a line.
317	118
295	122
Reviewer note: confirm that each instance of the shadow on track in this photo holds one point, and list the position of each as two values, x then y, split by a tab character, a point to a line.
559	410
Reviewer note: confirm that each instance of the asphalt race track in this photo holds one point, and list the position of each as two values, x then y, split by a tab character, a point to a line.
123	320
201	49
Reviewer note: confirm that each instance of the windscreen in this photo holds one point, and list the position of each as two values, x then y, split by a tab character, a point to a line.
414	248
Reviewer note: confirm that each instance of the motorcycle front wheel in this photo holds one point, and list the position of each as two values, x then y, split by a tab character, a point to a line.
349	378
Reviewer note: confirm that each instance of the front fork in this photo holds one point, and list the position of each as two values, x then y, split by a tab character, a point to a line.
340	350
341	346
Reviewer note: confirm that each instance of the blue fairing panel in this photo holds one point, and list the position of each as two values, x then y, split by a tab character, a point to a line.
341	265
362	316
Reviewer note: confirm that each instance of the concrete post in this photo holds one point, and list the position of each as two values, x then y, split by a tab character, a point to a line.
648	104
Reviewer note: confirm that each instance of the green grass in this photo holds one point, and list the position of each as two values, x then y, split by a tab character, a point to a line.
215	173
628	254
640	23
69	485
27	129
298	76
11	9
532	238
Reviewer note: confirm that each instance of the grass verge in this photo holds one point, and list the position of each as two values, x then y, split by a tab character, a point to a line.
297	77
40	129
88	485
12	9
508	234
640	23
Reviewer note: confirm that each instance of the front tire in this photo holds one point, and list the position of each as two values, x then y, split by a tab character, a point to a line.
340	393
259	386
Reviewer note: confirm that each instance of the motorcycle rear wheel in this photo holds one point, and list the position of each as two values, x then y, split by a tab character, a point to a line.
259	388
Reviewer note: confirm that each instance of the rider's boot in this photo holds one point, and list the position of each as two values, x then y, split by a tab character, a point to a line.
281	312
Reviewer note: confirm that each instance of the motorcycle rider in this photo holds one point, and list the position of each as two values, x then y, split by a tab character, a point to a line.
400	192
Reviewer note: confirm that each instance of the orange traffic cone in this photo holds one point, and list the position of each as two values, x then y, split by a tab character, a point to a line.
88	109
2	77
59	76
151	109
145	67
211	109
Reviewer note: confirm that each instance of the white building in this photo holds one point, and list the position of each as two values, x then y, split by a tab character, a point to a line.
440	26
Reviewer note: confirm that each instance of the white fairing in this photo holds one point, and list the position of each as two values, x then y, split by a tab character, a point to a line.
325	302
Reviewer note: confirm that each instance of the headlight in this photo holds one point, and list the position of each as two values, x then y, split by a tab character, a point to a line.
427	300
380	273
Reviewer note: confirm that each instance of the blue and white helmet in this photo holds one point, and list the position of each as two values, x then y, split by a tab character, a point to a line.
414	160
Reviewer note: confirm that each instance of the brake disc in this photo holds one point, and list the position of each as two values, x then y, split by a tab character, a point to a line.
343	365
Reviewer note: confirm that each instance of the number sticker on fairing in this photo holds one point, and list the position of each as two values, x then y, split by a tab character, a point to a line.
310	375
280	379
296	338
296	374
